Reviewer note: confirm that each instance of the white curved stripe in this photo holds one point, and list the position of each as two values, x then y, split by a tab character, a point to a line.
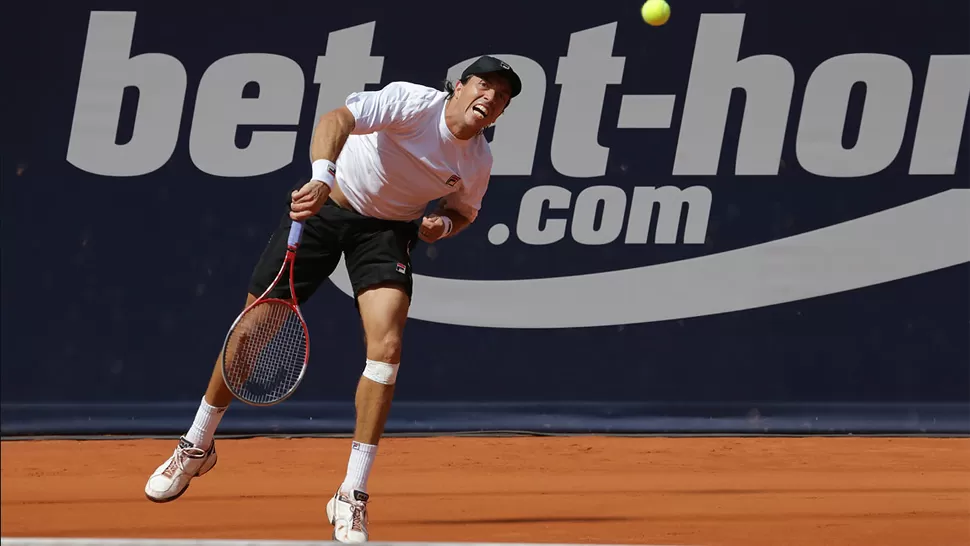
918	237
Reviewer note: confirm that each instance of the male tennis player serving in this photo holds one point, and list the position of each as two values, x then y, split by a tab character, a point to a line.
377	162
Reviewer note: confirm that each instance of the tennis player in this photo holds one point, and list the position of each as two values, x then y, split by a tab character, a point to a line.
377	162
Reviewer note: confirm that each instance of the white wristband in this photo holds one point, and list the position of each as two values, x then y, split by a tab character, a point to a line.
325	171
448	225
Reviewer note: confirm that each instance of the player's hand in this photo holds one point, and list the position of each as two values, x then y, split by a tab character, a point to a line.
432	228
307	201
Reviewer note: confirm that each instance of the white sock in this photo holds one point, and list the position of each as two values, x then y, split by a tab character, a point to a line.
204	426
358	468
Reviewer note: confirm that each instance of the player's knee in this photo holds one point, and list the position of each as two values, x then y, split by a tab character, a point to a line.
386	348
383	358
384	373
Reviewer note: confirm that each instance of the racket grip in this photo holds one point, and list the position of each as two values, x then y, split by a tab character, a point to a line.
296	230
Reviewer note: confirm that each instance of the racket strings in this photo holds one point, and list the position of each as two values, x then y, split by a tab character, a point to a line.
266	352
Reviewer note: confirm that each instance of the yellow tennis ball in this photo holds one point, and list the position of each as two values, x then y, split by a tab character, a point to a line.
655	12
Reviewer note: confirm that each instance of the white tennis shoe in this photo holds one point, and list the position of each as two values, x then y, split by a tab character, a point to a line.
348	517
172	478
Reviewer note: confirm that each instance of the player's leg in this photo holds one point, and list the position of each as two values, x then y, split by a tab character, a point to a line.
383	310
218	395
378	262
215	401
316	258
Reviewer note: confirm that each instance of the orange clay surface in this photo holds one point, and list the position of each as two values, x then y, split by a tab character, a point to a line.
702	491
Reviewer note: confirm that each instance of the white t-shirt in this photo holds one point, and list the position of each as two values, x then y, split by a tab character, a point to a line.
401	156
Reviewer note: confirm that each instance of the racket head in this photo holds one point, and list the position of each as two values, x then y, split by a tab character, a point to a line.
265	353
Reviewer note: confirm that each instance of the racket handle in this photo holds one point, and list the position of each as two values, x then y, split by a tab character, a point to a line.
296	230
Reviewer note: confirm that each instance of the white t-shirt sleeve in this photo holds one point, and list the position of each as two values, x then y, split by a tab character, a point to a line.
395	104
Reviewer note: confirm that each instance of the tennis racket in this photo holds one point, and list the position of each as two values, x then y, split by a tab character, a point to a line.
266	350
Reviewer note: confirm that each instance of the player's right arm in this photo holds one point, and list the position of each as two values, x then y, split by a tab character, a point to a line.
329	137
363	112
331	134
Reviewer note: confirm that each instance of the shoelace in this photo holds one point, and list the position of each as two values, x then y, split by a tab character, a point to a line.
356	515
182	454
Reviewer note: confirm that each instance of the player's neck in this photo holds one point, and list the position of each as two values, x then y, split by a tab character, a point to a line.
455	121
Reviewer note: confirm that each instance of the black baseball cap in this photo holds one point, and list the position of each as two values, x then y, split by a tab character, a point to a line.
487	64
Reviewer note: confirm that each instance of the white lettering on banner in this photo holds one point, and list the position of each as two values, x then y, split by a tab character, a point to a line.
534	228
715	71
106	70
766	274
219	110
346	68
671	201
888	84
942	115
768	81
530	215
584	228
584	73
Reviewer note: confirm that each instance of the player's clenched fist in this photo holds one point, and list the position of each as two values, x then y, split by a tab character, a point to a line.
308	200
432	228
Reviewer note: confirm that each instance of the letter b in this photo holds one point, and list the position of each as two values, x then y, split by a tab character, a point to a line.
106	70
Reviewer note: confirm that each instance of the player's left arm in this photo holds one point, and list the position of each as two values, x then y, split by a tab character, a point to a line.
455	212
462	206
458	220
444	222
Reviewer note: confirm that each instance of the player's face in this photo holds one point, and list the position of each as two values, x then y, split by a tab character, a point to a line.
483	99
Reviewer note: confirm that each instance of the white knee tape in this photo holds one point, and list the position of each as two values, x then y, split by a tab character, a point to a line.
381	372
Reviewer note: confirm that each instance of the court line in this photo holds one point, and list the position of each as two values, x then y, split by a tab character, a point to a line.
38	541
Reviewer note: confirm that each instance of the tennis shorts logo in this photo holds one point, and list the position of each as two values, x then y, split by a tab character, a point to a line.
452	180
401	268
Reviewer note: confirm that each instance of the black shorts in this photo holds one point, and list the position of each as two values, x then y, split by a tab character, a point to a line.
376	251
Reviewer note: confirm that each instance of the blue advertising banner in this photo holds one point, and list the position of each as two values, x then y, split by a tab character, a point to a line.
755	218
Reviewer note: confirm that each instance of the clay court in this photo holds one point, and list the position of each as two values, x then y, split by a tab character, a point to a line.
701	491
